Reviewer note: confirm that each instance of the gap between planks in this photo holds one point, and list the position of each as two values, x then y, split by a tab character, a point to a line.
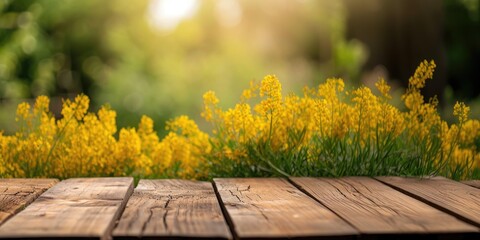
256	204
473	183
378	210
455	198
172	209
73	208
244	189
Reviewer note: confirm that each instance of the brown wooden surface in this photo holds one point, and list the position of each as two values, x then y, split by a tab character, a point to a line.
272	207
352	207
79	208
456	198
374	208
17	193
473	183
172	208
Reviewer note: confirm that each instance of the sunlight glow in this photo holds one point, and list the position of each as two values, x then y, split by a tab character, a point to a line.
167	14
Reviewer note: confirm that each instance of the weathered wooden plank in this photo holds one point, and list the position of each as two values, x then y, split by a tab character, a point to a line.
473	183
376	209
17	193
74	208
458	199
172	209
273	208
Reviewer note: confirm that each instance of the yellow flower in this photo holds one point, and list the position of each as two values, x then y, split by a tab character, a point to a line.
384	89
145	126
413	98
460	110
210	102
85	144
330	89
272	89
129	145
183	125
41	104
147	135
23	111
250	92
78	108
107	118
423	72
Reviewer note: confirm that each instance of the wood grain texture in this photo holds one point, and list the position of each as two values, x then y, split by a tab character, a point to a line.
473	183
458	199
376	209
74	208
17	193
273	208
172	209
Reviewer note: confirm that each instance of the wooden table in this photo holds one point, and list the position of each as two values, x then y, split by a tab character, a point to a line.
235	208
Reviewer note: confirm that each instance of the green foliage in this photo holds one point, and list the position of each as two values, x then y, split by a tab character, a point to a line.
110	51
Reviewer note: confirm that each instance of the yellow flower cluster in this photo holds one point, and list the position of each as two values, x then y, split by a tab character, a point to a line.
86	144
460	141
327	111
357	116
461	111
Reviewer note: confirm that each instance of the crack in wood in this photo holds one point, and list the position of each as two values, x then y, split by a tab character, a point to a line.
370	205
260	210
243	190
235	195
144	226
165	214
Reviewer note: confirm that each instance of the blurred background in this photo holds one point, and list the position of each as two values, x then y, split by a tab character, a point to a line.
158	57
